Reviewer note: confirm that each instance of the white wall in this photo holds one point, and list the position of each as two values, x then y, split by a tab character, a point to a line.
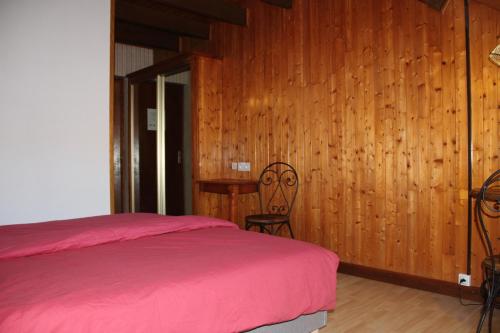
54	109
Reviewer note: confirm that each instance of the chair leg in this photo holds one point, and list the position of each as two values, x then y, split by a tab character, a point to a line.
277	230
270	229
481	320
290	229
496	293
490	318
261	228
487	310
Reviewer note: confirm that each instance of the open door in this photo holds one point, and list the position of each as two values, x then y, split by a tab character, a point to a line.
174	152
144	159
160	132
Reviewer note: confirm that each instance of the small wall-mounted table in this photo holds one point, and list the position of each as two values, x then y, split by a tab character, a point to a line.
492	194
231	187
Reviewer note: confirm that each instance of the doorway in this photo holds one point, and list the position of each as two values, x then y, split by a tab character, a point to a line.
161	160
174	150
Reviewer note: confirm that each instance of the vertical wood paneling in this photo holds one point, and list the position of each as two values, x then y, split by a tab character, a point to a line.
485	35
206	104
368	100
455	31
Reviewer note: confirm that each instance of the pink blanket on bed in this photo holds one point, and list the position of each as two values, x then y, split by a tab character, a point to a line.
150	273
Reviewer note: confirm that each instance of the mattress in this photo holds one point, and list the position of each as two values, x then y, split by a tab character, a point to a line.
151	273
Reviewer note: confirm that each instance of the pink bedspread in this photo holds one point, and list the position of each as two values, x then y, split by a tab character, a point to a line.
147	273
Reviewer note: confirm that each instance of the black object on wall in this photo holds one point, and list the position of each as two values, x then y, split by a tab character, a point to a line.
469	135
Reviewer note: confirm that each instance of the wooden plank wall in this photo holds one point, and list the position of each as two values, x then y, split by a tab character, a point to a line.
206	80
368	100
485	35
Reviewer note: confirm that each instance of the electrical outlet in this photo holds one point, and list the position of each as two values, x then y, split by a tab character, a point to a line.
234	166
244	166
464	279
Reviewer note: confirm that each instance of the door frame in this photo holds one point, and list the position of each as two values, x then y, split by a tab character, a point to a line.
159	72
119	145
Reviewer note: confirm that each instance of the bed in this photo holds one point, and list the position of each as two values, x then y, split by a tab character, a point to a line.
152	273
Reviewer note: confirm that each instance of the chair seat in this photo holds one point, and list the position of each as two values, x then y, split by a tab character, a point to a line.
266	218
488	264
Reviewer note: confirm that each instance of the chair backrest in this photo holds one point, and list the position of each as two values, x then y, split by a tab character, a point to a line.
488	206
278	185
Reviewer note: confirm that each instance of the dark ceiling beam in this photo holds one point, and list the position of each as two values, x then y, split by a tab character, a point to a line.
215	9
163	20
436	4
280	3
492	3
127	33
440	4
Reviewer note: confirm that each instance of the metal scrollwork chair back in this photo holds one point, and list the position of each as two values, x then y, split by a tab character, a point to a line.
488	204
278	186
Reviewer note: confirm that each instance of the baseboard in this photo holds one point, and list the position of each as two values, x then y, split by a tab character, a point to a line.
412	281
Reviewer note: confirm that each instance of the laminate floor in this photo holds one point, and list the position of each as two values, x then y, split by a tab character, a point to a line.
370	306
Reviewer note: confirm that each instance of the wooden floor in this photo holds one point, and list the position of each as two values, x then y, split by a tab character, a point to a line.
370	306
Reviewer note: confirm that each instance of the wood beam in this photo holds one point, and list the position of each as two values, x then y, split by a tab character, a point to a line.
163	20
207	48
215	9
440	4
492	3
132	34
280	3
436	4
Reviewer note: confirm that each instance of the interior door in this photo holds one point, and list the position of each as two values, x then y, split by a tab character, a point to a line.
160	141
145	160
174	154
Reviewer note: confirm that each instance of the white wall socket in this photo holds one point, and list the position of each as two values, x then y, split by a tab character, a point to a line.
241	166
244	166
464	279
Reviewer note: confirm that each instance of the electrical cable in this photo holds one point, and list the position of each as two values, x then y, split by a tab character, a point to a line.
461	299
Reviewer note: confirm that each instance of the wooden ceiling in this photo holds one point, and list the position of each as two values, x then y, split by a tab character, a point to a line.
436	4
161	24
492	3
181	25
441	4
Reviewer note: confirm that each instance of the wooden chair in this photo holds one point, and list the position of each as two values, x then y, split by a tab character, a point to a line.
278	185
